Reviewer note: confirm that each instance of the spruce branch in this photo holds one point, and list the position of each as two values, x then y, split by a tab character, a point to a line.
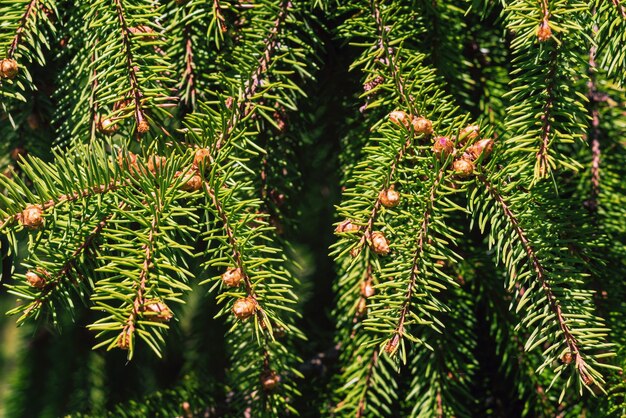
135	92
580	334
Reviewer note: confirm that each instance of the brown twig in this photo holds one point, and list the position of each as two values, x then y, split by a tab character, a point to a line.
243	108
130	65
418	254
31	9
540	273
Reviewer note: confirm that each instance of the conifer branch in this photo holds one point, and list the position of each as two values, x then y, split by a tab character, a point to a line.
361	409
135	90
250	87
139	299
31	11
540	273
415	265
54	279
543	158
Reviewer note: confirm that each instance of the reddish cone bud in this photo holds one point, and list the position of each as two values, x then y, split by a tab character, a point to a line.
482	147
380	245
157	311
463	168
400	118
443	147
469	134
347	227
36	280
543	31
367	290
422	125
32	216
232	277
244	308
156	163
202	157
269	380
389	198
8	68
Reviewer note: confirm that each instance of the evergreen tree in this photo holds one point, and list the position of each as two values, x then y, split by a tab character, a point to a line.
275	208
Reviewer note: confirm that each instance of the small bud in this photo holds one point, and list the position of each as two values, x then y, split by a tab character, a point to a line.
36	280
367	290
389	198
156	163
269	380
370	85
422	125
543	31
469	134
106	126
361	307
244	308
157	311
482	147
123	340
202	157
8	68
232	277
380	245
400	118
18	153
32	217
463	168
587	379
392	345
355	251
143	126
566	358
346	226
443	147
192	181
128	162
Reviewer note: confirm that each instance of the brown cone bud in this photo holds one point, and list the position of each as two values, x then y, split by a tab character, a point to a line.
380	245
143	126
192	181
18	153
482	147
128	162
232	277
32	216
156	163
367	290
269	380
389	198
543	31
463	168
567	358
123	340
244	308
202	157
157	311
469	134
347	227
8	68
400	118
361	307
36	280
106	126
392	345
443	147
422	125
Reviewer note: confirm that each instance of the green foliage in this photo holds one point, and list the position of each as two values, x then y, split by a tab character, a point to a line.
151	149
